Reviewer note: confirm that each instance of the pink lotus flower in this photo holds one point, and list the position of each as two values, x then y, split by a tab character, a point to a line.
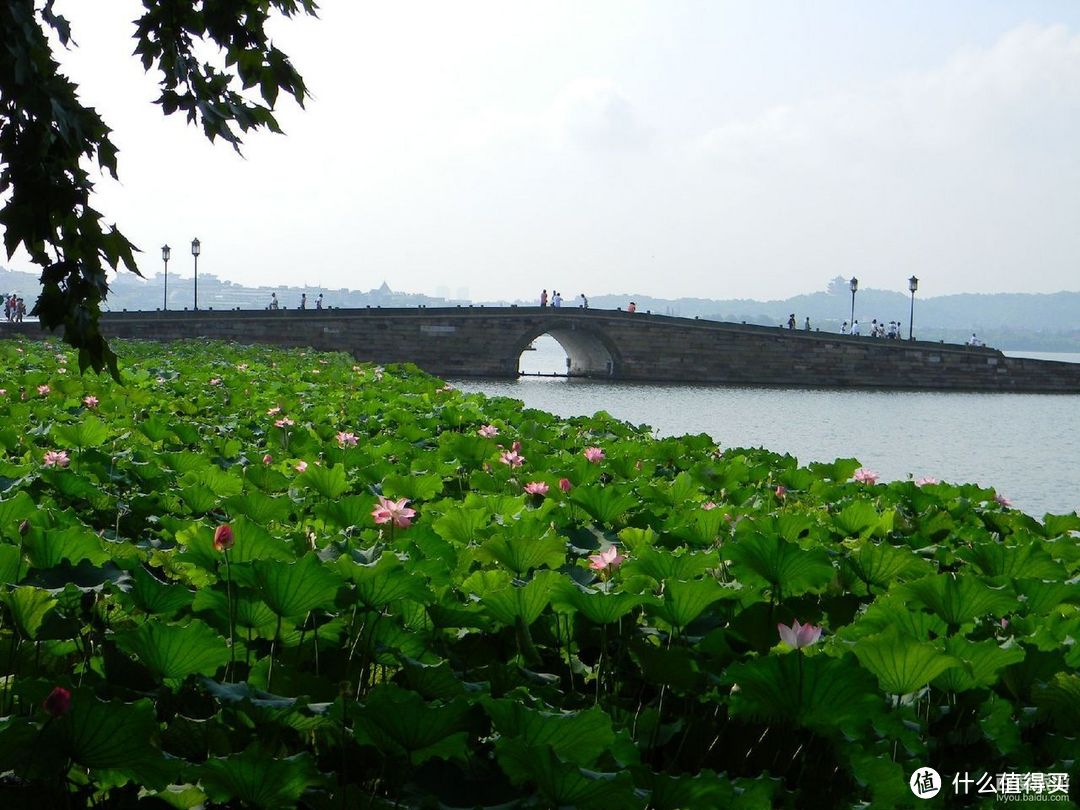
536	488
90	401
781	491
488	431
56	458
346	439
273	411
3	392
378	373
1002	500
301	466
708	506
268	459
58	703
512	459
926	480
61	359
565	485
215	381
43	389
799	635
393	511
283	422
610	558
865	475
594	454
223	537
516	447
241	366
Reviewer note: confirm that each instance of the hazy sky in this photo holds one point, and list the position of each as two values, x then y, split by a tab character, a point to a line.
720	149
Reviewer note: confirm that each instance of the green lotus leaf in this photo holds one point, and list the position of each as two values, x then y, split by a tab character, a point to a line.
957	600
522	554
1060	701
260	508
561	784
46	548
784	566
199	498
330	482
401	723
175	651
254	777
470	451
110	735
857	518
413	487
685	601
1028	560
891	611
1000	726
347	512
704	528
662	565
221	483
75	486
11	567
293	589
28	607
675	666
384	582
981	662
670	792
576	737
15	510
881	564
597	606
901	664
605	504
88	432
525	603
1041	597
819	692
156	597
185	462
155	429
462	525
1055	525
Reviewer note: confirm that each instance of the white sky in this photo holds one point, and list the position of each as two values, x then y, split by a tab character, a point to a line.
718	149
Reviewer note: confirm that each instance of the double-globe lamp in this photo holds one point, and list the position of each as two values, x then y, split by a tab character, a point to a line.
166	251
196	249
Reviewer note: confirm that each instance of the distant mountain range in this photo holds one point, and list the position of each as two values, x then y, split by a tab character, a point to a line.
1021	321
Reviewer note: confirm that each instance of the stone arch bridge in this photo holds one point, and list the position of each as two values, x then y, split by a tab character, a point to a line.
609	344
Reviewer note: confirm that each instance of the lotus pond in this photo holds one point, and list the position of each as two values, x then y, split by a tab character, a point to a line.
265	578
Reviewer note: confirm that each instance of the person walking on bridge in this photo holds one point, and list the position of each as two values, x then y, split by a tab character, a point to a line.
584	302
543	298
556	300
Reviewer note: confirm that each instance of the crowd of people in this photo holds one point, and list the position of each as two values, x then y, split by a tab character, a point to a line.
275	304
878	330
14	308
556	300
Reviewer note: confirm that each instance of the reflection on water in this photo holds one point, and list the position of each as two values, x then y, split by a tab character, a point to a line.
1027	446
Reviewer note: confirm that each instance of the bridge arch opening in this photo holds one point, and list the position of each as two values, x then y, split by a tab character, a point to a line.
567	352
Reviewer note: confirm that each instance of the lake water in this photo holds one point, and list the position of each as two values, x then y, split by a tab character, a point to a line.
1026	446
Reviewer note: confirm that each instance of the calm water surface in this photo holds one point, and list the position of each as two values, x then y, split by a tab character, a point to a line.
1027	446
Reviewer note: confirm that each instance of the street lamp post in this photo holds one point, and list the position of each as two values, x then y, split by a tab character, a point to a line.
196	249
913	285
854	283
165	253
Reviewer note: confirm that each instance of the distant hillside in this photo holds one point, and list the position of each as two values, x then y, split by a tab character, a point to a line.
1048	322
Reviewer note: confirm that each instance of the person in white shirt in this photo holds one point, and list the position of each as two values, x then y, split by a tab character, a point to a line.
855	330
